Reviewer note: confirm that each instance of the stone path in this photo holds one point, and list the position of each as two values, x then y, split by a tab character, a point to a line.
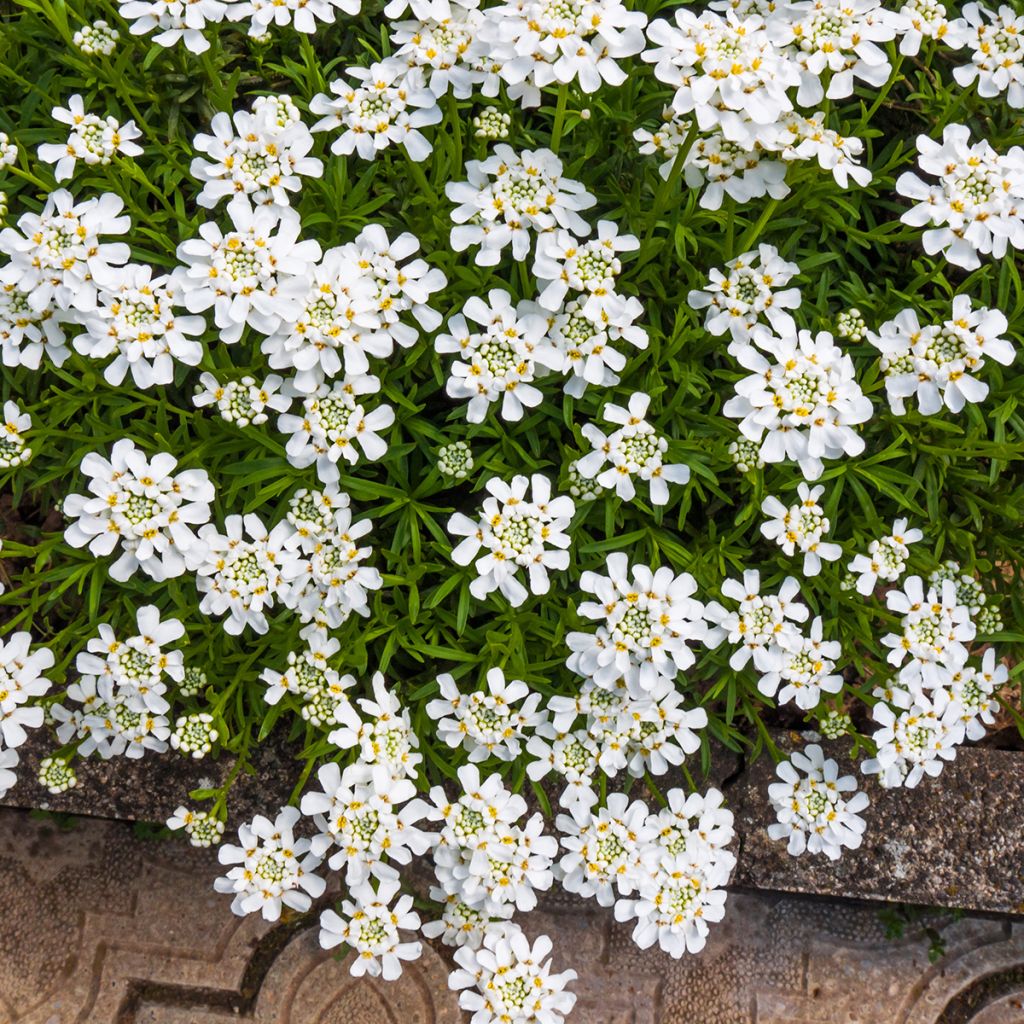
99	926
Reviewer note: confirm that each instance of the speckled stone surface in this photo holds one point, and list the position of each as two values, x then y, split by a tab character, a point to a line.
956	840
98	926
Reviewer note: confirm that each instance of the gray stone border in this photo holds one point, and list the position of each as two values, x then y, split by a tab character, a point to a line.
956	841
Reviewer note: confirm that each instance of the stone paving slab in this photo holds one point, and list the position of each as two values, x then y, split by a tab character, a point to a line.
99	926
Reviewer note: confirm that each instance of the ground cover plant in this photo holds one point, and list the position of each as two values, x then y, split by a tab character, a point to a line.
505	402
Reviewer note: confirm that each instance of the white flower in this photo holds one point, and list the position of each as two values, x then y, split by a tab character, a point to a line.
583	343
274	869
645	618
886	558
371	928
538	44
202	829
727	71
745	455
256	274
934	630
606	849
572	755
256	157
936	364
242	401
749	292
304	15
515	532
12	442
838	37
175	20
762	626
444	48
333	423
726	168
915	741
8	762
677	901
510	196
501	359
97	39
850	325
135	321
401	284
486	723
144	506
977	207
27	334
805	667
322	691
387	108
974	690
194	735
21	680
814	811
806	138
338	327
359	815
697	828
804	405
93	140
243	572
460	924
388	738
635	450
996	41
482	854
57	256
328	581
588	268
928	19
507	979
800	527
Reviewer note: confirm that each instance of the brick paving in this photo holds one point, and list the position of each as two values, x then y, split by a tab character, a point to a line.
100	926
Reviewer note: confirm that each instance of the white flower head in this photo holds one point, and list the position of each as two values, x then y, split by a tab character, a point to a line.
371	927
645	619
750	291
634	451
886	559
255	275
335	426
135	321
511	197
499	357
976	208
21	680
817	811
94	140
97	39
996	41
388	107
242	401
57	258
802	404
520	527
12	440
175	20
507	978
801	527
273	868
143	506
488	723
252	154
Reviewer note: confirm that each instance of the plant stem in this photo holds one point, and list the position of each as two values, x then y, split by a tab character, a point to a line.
556	130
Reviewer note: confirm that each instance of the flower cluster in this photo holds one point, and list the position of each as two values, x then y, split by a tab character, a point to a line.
515	532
